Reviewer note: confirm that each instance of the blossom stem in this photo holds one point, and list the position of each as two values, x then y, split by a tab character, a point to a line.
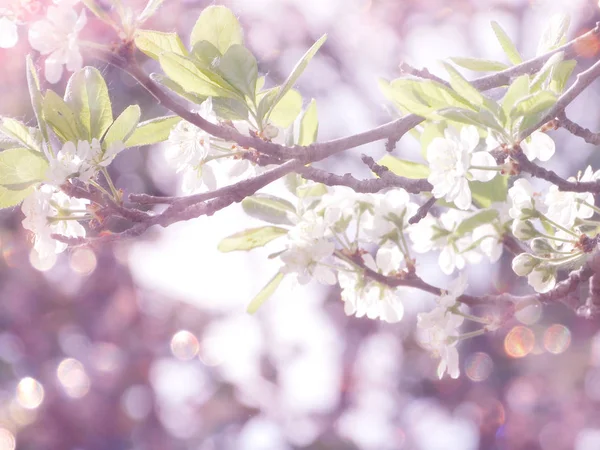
554	224
115	193
472	318
554	238
472	334
583	202
61	218
100	188
491	168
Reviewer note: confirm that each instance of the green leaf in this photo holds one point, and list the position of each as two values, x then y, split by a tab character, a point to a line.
311	190
61	118
407	169
479	65
251	238
463	87
546	70
19	132
205	53
517	90
287	109
123	126
153	43
230	109
150	9
269	208
476	220
266	103
22	165
171	85
486	193
152	131
534	103
87	96
422	97
431	130
186	74
309	124
561	74
9	197
298	69
33	83
219	26
239	68
265	293
507	45
555	33
481	119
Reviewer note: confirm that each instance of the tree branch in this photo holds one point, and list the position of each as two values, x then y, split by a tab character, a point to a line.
587	135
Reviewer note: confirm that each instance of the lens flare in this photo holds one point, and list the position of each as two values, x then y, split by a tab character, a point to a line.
479	366
557	339
519	342
184	345
30	393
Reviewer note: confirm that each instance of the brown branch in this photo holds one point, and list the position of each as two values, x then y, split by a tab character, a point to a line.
374	185
539	172
574	128
582	81
422	211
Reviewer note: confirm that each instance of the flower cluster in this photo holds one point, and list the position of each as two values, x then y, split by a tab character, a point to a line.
49	211
202	159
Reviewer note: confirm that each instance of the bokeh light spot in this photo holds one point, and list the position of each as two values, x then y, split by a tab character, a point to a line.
73	378
30	393
184	345
530	314
7	440
43	265
557	338
479	366
519	342
83	261
137	401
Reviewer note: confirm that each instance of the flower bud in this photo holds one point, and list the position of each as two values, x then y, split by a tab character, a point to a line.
523	229
270	131
524	263
541	246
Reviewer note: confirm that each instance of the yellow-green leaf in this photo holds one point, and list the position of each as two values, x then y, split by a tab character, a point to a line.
407	169
219	26
251	238
309	125
265	292
153	43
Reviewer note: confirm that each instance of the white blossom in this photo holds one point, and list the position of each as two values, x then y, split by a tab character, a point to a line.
342	204
81	160
57	37
39	208
365	297
8	33
523	200
189	145
542	278
309	244
450	160
439	328
393	206
565	207
490	241
439	234
538	146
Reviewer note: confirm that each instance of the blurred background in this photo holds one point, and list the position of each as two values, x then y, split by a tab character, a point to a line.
146	344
